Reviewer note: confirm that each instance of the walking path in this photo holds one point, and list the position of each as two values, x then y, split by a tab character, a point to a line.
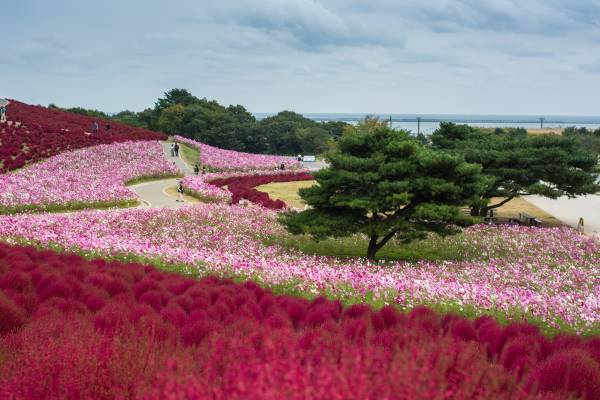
570	210
154	194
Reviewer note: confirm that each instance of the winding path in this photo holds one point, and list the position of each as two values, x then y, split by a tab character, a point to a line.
154	194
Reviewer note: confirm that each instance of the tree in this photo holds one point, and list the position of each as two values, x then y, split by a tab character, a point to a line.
382	183
314	140
517	165
281	131
171	119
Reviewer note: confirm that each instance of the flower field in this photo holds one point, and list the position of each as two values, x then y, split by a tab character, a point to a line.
90	175
509	313
71	328
547	275
240	185
229	160
42	133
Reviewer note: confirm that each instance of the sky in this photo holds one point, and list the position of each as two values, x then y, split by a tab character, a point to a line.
349	56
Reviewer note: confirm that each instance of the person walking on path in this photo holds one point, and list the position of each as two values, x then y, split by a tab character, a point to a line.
176	150
196	169
180	191
172	148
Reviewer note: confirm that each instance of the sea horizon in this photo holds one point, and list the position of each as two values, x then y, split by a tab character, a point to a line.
430	122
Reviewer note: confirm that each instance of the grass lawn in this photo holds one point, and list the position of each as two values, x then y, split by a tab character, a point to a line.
434	248
521	205
286	191
189	154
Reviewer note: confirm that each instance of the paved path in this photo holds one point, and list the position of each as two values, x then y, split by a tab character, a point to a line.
153	194
570	210
315	165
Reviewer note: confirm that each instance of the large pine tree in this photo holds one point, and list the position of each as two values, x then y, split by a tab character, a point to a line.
384	184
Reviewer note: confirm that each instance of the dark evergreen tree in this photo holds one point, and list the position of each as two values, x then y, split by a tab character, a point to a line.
384	184
517	165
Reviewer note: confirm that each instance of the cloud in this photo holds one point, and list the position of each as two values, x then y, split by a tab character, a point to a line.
304	24
593	68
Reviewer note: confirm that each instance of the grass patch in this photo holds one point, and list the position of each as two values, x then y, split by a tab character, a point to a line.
286	192
70	206
150	178
434	248
187	197
190	155
199	197
521	205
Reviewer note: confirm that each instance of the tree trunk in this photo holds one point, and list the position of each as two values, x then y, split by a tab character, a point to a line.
372	250
374	247
485	210
482	211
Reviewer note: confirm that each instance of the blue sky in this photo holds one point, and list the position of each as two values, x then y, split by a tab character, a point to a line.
402	56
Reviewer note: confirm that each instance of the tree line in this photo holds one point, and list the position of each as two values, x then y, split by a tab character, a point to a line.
232	127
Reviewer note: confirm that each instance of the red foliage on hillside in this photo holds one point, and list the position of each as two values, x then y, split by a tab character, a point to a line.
71	328
243	187
37	132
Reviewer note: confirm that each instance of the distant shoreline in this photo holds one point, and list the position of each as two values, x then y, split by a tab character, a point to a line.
429	122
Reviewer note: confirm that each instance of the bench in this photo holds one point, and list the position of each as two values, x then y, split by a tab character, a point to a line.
309	159
522	219
529	220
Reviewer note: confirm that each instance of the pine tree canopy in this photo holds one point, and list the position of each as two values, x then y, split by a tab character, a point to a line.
382	183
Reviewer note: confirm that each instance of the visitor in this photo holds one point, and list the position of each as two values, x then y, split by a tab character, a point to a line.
176	150
282	166
94	127
3	112
180	191
299	157
172	148
203	169
107	126
196	169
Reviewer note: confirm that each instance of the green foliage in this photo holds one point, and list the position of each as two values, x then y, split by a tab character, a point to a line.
129	118
587	138
516	164
82	111
233	127
384	184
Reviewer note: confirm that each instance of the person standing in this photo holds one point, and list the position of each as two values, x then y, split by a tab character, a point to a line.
196	169
176	149
95	127
3	112
107	126
180	191
172	148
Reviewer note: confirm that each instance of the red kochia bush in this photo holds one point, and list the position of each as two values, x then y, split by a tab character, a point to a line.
243	187
70	329
44	132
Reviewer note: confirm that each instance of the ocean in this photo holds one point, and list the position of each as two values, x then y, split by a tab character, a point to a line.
430	122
